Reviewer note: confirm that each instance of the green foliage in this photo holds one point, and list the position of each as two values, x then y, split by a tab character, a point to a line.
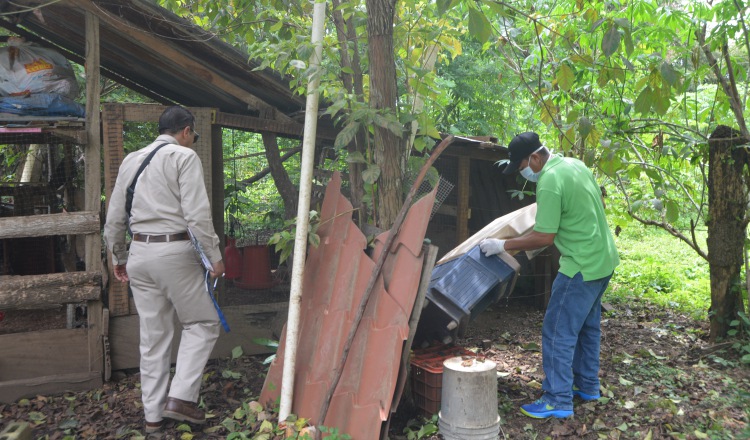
741	328
660	270
284	240
269	343
419	429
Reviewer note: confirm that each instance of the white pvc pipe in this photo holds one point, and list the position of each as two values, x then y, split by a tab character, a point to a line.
303	213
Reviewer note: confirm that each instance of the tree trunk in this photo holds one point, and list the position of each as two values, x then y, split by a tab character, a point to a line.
281	179
388	148
347	38
728	201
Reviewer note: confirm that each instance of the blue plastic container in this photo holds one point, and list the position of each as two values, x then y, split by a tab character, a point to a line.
464	287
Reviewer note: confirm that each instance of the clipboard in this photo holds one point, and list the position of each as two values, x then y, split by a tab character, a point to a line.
201	253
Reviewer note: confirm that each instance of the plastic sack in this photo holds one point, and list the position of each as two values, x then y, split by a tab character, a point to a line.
41	104
26	68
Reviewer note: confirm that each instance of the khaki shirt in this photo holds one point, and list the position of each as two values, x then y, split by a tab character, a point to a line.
170	196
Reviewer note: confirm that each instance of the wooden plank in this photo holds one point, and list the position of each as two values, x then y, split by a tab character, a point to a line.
13	390
142	112
66	223
473	152
113	116
113	146
124	336
216	176
39	291
252	123
93	192
42	353
92	153
462	217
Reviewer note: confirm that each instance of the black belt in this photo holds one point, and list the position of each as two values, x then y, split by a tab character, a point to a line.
181	236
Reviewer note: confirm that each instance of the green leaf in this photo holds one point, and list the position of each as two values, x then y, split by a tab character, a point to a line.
36	416
651	352
479	27
584	126
266	342
426	430
611	41
622	22
644	101
371	174
443	6
673	211
670	75
237	352
68	424
355	157
565	77
313	239
346	135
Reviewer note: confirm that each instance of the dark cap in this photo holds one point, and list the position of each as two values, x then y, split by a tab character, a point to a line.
520	148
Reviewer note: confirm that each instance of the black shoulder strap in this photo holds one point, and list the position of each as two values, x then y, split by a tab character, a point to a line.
131	188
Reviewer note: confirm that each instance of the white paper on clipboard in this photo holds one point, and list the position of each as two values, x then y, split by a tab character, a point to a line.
201	253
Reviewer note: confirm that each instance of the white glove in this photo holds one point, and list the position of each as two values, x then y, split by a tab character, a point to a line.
492	246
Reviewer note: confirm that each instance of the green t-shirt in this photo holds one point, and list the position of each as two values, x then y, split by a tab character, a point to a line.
569	204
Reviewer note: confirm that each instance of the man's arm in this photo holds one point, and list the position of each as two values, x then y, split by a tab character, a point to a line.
531	241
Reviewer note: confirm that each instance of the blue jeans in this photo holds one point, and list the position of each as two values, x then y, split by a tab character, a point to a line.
571	336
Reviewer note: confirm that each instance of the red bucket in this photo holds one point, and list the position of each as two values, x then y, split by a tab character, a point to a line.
256	268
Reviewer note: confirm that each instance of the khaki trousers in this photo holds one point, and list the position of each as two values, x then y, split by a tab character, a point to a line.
167	280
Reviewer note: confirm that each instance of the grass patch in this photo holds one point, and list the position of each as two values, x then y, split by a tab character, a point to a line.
661	269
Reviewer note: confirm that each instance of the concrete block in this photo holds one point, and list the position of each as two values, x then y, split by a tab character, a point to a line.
16	431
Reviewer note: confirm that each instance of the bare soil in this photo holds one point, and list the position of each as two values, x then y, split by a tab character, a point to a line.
658	382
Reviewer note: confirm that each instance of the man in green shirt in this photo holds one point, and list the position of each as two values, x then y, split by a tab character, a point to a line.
570	215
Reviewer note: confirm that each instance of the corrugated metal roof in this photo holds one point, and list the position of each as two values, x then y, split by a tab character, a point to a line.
157	53
336	275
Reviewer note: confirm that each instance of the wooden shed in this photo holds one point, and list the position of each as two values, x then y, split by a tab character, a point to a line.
161	56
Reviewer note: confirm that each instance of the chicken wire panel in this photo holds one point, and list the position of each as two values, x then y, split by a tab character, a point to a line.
444	189
40	174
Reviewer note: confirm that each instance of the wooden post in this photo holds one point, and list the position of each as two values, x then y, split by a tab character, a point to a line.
93	184
463	214
217	192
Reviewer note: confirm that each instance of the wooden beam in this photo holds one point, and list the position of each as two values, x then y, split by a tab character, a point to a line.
113	118
66	223
13	390
463	214
93	192
43	353
124	335
38	291
282	128
190	64
490	154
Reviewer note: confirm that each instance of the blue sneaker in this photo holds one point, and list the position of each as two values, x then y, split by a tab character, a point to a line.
584	396
541	410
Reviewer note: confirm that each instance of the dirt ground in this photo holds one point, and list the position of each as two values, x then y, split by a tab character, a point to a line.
657	383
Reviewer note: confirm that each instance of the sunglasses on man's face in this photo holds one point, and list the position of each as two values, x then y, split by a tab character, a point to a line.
196	136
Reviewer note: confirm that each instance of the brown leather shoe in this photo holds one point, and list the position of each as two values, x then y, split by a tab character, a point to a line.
184	411
152	427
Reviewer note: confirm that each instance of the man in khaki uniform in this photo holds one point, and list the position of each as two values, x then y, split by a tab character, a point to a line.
164	273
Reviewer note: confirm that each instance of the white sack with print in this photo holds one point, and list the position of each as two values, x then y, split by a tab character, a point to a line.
26	68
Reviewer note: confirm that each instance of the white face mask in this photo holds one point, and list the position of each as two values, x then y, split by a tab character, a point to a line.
528	173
